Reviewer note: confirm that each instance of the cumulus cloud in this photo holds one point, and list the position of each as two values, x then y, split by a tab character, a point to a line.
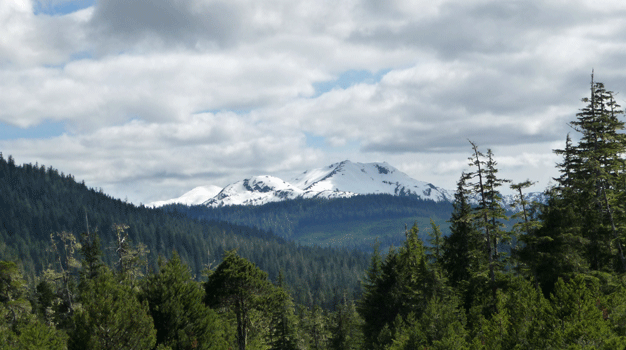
158	96
140	156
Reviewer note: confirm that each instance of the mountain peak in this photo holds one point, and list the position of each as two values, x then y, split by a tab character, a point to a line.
338	180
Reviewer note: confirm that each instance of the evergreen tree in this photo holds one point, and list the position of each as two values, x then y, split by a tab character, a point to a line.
406	284
92	255
239	286
38	336
584	321
461	258
15	310
111	317
181	318
435	240
555	249
599	179
441	326
489	215
346	328
314	328
283	325
64	246
130	260
524	319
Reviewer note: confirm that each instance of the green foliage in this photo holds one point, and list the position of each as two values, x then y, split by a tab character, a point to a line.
239	286
111	317
441	326
181	318
524	320
37	201
282	333
14	307
489	215
19	328
584	318
567	290
401	285
314	332
354	222
346	329
39	336
461	258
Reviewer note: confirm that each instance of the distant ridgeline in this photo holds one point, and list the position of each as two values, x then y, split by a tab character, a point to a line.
37	202
354	222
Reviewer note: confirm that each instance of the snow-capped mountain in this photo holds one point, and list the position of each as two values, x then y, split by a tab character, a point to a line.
256	190
368	178
339	180
196	196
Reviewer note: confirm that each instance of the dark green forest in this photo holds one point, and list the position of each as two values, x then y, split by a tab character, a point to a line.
553	280
356	223
40	207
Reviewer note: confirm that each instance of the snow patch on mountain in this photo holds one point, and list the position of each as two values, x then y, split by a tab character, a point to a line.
196	196
339	180
256	190
368	178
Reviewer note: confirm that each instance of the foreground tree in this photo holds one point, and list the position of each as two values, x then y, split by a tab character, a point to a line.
599	178
346	328
461	257
239	286
181	319
282	334
401	285
111	317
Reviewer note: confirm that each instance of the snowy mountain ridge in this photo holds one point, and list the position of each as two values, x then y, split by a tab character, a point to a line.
339	180
196	196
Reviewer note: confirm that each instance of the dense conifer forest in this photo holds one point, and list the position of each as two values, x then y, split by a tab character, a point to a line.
562	286
356	222
43	212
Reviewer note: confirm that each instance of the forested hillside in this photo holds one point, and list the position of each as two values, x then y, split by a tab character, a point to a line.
562	287
38	205
356	222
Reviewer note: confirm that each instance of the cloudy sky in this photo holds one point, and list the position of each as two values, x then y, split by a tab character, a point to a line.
148	99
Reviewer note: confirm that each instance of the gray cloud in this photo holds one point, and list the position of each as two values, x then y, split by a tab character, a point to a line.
463	28
176	22
507	74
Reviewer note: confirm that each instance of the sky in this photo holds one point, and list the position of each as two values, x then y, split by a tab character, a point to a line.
148	99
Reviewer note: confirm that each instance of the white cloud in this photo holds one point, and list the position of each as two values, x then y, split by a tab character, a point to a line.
159	96
200	148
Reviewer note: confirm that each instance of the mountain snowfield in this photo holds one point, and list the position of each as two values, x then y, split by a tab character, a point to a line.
339	180
196	196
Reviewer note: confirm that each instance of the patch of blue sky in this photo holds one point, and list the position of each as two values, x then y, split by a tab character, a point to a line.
44	130
61	7
81	55
242	111
77	56
320	142
348	79
314	141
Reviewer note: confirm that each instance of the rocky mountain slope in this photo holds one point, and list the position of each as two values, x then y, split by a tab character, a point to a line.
339	180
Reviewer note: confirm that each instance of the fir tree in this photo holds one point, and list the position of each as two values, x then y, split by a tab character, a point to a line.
111	317
460	249
283	326
489	215
239	286
181	318
346	329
